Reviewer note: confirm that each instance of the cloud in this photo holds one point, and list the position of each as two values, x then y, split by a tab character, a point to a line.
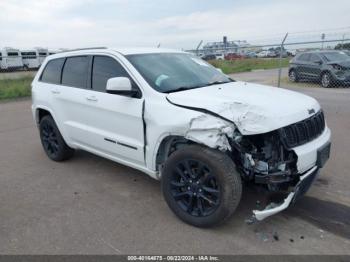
59	23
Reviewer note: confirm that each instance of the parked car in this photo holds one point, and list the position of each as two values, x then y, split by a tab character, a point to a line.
271	53
209	57
178	119
266	53
330	68
233	56
291	52
278	53
219	56
250	55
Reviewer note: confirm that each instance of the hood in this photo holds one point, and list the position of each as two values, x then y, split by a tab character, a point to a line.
345	64
253	108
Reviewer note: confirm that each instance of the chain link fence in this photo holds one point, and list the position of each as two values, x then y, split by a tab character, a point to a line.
290	60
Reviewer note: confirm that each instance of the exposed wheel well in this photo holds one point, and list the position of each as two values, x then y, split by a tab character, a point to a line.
40	113
324	72
169	145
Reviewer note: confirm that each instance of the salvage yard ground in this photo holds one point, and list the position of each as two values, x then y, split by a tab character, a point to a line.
90	205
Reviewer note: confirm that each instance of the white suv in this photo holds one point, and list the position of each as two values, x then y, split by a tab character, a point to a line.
181	121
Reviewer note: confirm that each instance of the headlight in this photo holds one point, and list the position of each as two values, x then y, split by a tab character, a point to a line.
337	67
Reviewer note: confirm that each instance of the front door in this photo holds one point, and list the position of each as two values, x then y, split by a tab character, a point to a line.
116	124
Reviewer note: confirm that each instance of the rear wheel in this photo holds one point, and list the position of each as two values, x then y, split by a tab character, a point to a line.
201	185
293	76
53	143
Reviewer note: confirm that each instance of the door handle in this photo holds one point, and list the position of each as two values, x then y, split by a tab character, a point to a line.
92	98
55	91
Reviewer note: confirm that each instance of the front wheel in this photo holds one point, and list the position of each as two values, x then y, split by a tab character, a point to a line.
201	185
326	80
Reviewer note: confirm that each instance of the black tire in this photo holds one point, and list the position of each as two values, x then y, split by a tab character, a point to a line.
327	80
208	199
293	76
52	141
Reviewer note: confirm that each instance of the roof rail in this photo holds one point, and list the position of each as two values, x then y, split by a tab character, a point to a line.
86	48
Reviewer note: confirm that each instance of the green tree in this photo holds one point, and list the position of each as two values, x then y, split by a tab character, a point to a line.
342	46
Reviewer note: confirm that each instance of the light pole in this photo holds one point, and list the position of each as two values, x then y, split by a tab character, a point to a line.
323	36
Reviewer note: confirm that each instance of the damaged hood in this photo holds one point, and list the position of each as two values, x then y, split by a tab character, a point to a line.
253	108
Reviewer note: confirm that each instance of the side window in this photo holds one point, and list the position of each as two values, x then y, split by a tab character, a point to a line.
304	57
314	58
75	71
104	68
52	71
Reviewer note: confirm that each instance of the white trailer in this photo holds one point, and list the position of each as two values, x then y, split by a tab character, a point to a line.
42	53
33	58
10	59
30	59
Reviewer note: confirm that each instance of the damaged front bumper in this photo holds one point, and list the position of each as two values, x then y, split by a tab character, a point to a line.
300	189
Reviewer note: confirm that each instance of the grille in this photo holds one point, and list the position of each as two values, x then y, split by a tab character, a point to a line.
304	131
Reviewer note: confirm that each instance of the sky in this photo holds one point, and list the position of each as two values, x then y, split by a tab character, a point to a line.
179	24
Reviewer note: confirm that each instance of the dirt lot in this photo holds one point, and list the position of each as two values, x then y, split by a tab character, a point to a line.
90	205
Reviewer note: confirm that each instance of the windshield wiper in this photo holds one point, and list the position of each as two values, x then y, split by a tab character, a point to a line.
182	88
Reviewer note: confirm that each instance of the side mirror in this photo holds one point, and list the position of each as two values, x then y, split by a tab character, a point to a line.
319	62
120	86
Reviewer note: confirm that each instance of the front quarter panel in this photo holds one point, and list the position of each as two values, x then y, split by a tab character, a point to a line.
163	119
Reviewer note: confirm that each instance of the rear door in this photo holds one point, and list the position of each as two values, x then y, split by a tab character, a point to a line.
116	125
70	99
302	64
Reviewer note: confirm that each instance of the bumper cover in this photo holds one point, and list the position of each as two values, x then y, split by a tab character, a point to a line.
300	189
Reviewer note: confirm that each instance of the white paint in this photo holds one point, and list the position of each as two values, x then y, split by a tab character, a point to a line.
210	131
307	155
86	117
254	108
261	215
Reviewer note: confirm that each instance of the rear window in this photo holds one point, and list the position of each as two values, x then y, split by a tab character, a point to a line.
303	57
75	71
52	71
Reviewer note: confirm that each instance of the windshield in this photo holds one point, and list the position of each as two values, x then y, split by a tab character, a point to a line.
335	56
171	72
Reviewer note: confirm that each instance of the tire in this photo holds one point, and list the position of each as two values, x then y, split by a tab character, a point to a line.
208	197
293	76
52	141
326	80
